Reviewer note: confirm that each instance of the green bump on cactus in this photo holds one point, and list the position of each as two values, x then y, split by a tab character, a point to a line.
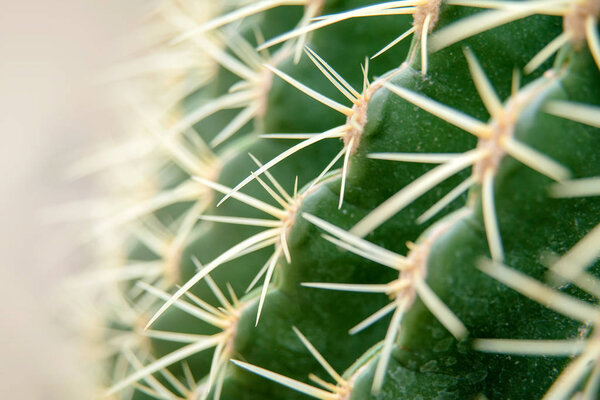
444	245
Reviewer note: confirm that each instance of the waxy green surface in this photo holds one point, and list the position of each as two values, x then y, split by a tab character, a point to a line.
427	361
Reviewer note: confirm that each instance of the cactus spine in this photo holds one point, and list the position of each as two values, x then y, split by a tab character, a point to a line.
430	232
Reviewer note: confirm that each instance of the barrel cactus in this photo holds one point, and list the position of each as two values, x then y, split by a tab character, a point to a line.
351	200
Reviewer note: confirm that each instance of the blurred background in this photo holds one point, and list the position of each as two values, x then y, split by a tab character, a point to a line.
52	110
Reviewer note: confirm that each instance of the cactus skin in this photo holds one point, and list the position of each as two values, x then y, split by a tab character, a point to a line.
452	289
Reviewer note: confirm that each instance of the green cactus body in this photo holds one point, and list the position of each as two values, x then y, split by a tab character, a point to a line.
401	230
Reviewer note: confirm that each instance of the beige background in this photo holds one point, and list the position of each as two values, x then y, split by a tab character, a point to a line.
49	111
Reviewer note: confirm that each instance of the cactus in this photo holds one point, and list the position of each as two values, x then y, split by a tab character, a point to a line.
401	197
